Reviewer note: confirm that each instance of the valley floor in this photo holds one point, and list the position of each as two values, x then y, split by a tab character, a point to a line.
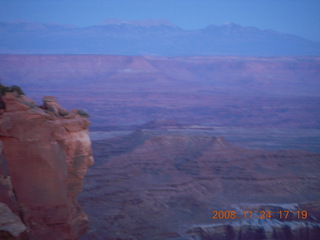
165	184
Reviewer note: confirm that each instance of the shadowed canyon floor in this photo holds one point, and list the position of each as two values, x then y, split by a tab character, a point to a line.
164	185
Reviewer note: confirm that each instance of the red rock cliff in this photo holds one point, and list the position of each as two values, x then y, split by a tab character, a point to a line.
46	152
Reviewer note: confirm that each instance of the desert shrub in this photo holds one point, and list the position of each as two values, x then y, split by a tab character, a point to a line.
13	88
4	89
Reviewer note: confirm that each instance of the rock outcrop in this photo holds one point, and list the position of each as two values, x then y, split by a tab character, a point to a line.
45	155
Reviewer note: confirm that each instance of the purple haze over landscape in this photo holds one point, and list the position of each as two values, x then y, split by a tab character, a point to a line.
205	119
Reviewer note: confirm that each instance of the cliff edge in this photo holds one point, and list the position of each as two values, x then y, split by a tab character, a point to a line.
45	154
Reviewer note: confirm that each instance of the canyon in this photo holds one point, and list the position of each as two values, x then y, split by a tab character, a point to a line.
176	138
159	184
122	91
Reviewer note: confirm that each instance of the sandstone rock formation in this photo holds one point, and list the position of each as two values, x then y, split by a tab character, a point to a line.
50	104
45	156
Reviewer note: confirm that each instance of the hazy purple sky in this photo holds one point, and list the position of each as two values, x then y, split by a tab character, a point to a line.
300	17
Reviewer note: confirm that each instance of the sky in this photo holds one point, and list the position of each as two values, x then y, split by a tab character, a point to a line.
299	17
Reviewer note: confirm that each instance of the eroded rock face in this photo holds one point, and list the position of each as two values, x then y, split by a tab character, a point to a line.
45	156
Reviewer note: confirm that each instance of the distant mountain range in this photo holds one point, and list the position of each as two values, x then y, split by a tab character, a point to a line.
127	38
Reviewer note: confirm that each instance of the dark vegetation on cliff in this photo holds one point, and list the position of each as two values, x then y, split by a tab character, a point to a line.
4	89
13	88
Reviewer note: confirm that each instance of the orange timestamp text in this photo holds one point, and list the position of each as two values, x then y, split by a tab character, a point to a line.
281	215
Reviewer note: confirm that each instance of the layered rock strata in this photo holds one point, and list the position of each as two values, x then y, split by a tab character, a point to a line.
46	152
165	185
